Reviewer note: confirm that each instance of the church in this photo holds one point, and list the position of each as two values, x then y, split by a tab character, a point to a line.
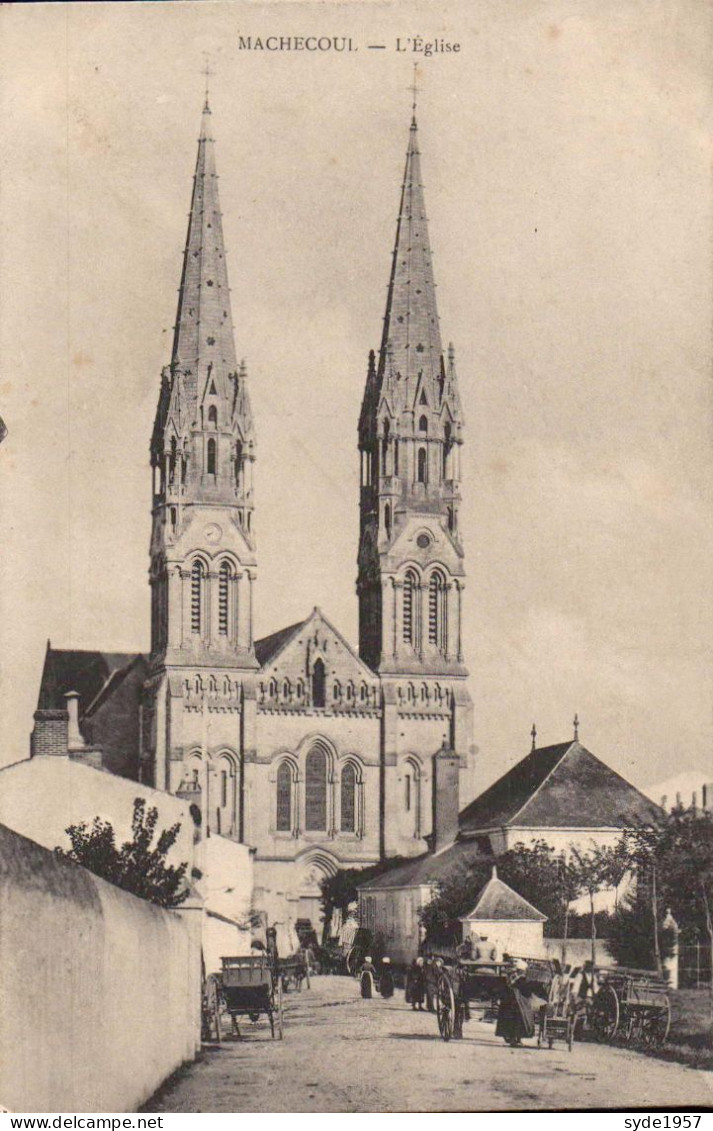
316	754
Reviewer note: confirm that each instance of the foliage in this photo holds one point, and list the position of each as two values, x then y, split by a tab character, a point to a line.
630	935
546	879
138	866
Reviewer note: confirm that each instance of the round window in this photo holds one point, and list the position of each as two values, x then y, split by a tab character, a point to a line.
423	541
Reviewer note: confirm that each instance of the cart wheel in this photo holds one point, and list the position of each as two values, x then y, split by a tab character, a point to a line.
604	1015
278	1013
655	1026
445	1007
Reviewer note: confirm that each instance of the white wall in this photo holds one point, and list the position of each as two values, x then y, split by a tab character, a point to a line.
227	887
519	938
40	797
100	990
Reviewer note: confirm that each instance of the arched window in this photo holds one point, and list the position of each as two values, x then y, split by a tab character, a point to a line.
316	790
210	463
412	795
172	460
348	799
409	627
385	449
197	575
396	457
213	416
422	465
387	519
423	424
446	449
283	822
318	684
436	609
224	576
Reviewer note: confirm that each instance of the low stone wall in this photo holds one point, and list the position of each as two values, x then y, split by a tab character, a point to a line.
100	990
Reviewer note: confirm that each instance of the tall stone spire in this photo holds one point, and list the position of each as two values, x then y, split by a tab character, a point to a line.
203	335
411	575
411	333
202	453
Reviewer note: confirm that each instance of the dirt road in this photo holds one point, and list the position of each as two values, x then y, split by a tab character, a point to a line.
343	1054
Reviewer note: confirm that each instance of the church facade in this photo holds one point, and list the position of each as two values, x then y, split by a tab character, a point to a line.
314	753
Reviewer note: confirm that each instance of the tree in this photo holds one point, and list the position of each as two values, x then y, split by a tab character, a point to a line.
674	852
137	866
631	935
590	872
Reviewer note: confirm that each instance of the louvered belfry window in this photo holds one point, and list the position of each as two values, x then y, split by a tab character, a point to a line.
348	799
223	598
284	799
196	597
316	790
409	586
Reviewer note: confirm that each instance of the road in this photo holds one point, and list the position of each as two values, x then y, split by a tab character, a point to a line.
343	1054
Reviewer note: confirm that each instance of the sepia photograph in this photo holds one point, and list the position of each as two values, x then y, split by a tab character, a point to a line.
356	616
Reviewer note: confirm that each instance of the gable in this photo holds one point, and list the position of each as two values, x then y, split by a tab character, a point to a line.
439	549
292	652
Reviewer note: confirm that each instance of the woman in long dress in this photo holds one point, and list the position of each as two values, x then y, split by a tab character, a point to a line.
516	1011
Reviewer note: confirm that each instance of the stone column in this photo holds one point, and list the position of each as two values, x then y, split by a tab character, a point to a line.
175	606
243	584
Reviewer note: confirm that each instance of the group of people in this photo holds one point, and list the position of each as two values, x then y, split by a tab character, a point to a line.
372	979
520	996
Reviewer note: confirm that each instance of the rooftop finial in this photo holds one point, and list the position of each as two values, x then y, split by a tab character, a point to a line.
576	726
207	72
414	92
533	732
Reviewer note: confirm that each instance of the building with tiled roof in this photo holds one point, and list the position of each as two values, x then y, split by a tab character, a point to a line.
562	794
316	753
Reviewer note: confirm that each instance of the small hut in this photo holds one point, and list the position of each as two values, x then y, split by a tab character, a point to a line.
502	922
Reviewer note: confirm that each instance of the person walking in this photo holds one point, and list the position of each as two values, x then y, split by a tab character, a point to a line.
416	983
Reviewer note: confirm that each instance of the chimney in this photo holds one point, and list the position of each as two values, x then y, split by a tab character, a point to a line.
446	801
49	734
707	796
74	736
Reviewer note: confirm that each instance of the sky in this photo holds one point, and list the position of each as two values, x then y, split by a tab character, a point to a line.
566	154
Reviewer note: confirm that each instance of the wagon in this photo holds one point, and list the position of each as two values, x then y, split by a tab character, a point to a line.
558	1018
245	987
629	1005
293	971
461	987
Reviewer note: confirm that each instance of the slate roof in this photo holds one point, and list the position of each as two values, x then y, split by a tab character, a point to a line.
430	867
88	673
562	786
498	901
267	648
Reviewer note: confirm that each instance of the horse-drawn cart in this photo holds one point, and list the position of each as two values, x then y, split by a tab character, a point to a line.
245	987
629	1005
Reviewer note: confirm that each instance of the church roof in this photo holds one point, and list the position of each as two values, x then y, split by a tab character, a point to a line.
497	900
431	867
561	786
88	673
268	647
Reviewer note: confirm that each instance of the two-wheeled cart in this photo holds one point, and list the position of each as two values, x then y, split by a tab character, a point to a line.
247	986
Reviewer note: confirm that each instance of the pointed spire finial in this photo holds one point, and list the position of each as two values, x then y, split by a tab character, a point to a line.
207	72
414	92
576	726
533	732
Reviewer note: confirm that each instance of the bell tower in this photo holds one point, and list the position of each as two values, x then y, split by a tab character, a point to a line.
411	576
203	554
